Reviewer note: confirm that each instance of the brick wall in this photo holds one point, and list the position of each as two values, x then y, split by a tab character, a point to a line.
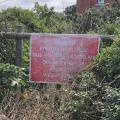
82	5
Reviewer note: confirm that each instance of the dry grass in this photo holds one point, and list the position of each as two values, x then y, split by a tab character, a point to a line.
35	104
3	117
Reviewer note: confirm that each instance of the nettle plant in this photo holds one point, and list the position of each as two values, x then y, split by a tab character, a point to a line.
12	76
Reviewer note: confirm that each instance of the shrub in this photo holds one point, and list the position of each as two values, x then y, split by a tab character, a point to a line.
107	64
12	76
97	95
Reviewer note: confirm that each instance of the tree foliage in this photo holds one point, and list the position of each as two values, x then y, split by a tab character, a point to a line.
93	18
39	20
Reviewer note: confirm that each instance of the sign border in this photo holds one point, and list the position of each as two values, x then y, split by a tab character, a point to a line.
51	34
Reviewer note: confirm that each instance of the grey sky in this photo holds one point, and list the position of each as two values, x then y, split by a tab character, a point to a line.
59	5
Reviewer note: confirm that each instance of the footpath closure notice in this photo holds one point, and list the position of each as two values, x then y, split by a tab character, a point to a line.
57	58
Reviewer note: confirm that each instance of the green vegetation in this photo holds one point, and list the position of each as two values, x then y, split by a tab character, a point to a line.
96	95
93	19
12	76
98	92
39	20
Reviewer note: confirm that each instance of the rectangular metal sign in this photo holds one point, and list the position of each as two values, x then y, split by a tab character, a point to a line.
57	58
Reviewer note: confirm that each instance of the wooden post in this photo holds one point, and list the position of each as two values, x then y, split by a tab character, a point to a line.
19	48
57	99
58	87
19	53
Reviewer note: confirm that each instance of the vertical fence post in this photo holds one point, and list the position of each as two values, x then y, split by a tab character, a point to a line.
19	47
19	53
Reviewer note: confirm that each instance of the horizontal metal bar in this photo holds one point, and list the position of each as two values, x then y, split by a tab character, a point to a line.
14	35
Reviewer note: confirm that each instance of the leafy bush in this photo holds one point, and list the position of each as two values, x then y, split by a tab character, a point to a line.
112	104
7	51
12	76
107	64
97	94
94	18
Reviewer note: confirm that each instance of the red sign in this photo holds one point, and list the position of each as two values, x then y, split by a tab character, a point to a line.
57	58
